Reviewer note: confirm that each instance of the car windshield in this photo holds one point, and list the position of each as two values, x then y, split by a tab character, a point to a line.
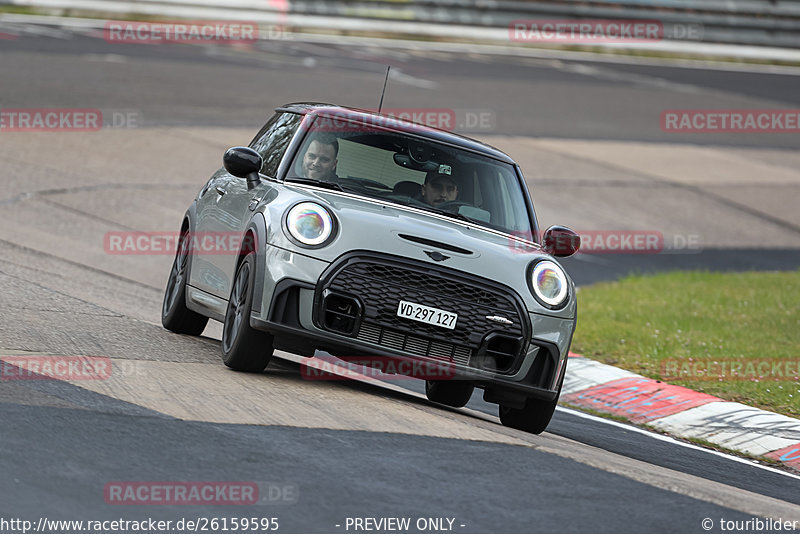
411	171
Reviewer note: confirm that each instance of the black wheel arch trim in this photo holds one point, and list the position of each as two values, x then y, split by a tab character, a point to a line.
190	217
258	226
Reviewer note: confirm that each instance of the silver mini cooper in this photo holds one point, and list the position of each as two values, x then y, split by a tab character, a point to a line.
362	235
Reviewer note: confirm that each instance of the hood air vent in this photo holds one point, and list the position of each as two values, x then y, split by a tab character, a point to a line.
437	244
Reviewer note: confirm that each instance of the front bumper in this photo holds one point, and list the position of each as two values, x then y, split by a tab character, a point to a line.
524	359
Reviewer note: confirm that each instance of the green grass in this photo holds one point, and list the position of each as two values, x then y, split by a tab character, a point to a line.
18	10
644	323
80	13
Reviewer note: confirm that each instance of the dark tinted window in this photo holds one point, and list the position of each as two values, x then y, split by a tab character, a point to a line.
273	139
421	173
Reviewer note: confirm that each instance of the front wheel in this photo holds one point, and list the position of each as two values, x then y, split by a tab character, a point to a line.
455	394
535	415
175	315
243	347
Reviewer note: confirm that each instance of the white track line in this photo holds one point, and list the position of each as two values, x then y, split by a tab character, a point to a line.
670	439
352	372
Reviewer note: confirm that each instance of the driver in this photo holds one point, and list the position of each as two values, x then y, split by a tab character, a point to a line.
319	161
439	186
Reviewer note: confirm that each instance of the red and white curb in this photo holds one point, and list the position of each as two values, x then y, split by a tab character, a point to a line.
680	411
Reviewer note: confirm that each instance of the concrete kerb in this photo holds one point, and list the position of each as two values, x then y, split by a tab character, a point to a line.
681	412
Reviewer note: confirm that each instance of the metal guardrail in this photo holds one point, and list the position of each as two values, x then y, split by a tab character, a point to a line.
774	23
749	22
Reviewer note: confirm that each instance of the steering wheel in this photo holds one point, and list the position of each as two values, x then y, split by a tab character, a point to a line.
411	201
366	183
452	205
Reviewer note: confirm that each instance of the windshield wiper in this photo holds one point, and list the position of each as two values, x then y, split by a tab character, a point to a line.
318	183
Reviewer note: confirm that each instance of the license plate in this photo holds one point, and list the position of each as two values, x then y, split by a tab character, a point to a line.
427	314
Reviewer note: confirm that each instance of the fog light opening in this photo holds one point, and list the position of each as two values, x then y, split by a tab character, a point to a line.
498	353
340	314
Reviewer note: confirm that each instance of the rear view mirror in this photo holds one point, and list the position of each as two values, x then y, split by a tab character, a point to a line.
243	162
561	241
404	160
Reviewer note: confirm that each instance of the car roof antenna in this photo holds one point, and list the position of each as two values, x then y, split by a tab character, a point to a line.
380	105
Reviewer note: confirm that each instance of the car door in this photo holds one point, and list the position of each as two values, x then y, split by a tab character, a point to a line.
225	208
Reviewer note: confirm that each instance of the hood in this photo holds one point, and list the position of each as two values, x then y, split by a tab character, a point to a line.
367	224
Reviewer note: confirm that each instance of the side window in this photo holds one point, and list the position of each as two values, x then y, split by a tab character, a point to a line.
272	140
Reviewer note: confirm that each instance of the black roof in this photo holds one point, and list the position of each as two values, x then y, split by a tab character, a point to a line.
320	108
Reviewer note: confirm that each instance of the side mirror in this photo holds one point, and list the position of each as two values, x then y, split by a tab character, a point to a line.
243	162
561	241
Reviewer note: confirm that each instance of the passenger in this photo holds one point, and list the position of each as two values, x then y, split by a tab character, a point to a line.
319	161
439	186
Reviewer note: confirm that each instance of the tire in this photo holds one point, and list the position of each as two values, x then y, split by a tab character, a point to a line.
450	393
175	316
243	347
535	415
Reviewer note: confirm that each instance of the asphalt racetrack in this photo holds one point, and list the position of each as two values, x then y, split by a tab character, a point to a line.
588	137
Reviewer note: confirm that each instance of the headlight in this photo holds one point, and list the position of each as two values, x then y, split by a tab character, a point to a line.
549	283
309	224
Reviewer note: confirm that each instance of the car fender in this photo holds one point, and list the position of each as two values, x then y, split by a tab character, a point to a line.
258	226
190	218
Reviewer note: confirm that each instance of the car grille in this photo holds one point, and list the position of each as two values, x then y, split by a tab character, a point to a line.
384	337
380	283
